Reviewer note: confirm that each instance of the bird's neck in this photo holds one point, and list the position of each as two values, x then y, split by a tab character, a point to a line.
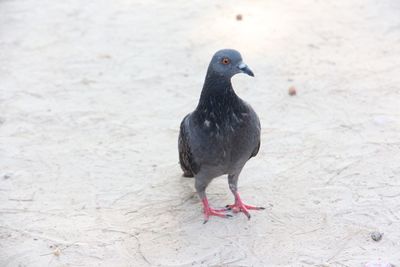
217	97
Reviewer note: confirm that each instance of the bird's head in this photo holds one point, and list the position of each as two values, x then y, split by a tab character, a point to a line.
228	62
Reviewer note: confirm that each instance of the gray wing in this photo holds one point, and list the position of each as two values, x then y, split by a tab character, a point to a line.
186	160
257	148
255	152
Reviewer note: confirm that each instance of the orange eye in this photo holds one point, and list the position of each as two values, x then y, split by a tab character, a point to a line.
225	61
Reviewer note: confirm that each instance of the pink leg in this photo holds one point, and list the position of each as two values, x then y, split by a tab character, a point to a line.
208	211
239	206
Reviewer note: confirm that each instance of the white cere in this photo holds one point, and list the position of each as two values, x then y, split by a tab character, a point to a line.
242	66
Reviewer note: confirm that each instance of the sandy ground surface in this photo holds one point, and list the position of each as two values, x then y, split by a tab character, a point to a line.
91	96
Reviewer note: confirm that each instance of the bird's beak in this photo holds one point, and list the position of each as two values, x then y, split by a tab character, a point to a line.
245	69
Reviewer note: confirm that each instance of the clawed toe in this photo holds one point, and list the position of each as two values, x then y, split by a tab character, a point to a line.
240	207
254	208
212	212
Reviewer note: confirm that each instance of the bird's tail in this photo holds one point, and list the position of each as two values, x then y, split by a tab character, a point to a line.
187	174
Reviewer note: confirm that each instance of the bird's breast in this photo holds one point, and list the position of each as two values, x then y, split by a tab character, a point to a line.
228	133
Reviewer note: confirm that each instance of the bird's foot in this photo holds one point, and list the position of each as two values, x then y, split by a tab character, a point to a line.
212	212
239	206
208	211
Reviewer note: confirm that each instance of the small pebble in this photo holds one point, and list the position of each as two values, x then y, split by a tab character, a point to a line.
239	17
376	236
292	90
57	252
7	176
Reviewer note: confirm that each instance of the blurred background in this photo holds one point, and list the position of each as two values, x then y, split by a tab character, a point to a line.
91	97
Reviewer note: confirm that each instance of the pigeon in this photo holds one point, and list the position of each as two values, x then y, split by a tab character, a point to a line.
221	134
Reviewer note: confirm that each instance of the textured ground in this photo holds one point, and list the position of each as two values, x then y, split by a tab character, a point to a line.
91	96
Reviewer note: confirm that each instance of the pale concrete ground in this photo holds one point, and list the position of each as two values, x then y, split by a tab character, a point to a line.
91	97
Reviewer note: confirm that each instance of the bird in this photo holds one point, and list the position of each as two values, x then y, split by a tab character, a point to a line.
221	134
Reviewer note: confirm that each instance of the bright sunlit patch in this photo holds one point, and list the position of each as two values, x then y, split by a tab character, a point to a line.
252	32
